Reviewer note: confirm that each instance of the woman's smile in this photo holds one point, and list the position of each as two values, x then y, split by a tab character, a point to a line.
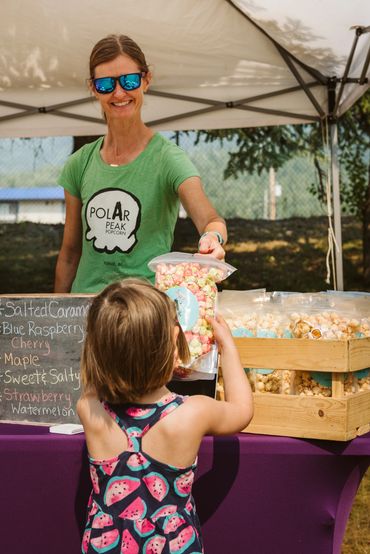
121	105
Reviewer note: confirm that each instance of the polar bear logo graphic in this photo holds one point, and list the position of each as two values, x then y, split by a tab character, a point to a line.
113	218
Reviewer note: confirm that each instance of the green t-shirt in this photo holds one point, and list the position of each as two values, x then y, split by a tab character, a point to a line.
128	212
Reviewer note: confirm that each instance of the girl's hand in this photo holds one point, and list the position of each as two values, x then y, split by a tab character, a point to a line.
221	332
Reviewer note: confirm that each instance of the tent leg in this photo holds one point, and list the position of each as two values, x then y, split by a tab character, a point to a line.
336	203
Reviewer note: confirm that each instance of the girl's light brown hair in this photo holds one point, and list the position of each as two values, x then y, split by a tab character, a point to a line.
129	348
108	48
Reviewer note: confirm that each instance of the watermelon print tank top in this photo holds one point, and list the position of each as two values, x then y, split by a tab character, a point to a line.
138	504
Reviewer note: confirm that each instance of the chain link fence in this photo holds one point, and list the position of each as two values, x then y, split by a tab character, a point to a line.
29	169
272	195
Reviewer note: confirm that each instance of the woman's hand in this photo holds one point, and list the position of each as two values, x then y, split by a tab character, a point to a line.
209	244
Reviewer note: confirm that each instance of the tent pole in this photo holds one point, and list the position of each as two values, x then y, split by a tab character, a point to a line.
346	71
333	127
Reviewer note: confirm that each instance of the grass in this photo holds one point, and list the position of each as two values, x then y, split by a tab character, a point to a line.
357	536
278	255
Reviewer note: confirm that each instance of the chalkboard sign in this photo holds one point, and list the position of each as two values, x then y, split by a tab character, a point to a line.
41	339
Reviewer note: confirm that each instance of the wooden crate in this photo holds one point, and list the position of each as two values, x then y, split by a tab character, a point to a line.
304	354
336	418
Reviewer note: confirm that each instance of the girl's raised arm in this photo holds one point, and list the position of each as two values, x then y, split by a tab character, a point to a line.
236	411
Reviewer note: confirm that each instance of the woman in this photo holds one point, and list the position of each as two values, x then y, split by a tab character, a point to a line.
122	191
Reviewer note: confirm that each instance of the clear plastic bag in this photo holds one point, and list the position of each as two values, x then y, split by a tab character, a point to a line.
323	315
345	300
254	313
190	280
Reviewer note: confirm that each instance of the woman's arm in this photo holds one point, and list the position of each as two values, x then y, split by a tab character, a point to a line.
70	252
204	216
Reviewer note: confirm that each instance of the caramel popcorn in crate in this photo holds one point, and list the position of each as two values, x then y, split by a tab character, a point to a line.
320	316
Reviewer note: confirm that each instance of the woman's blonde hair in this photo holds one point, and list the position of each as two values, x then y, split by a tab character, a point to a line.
129	348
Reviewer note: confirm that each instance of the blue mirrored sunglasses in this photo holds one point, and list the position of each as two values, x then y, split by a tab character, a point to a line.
105	85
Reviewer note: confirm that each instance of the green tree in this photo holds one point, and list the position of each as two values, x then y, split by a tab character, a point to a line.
255	149
354	133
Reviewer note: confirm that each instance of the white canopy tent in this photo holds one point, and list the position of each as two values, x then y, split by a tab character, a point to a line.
216	63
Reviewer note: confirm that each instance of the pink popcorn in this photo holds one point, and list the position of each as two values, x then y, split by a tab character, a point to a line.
193	287
191	281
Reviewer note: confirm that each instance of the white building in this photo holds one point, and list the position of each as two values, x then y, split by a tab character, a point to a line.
39	204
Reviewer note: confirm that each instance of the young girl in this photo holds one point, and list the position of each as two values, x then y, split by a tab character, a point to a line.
142	439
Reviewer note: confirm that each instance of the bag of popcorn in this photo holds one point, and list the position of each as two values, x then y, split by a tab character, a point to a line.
190	280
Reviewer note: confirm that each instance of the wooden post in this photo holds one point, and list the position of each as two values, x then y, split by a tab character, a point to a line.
272	194
337	382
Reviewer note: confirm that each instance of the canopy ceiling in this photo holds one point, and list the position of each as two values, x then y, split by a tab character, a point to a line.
215	63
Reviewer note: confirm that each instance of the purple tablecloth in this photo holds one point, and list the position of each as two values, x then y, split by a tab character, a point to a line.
255	494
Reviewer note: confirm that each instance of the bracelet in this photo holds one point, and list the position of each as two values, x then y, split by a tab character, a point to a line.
218	235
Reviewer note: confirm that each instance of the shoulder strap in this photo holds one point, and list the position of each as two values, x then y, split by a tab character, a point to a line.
137	420
112	413
133	434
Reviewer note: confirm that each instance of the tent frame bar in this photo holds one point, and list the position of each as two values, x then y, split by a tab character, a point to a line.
359	31
288	60
237	104
231	105
175	96
278	92
213	105
53	109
